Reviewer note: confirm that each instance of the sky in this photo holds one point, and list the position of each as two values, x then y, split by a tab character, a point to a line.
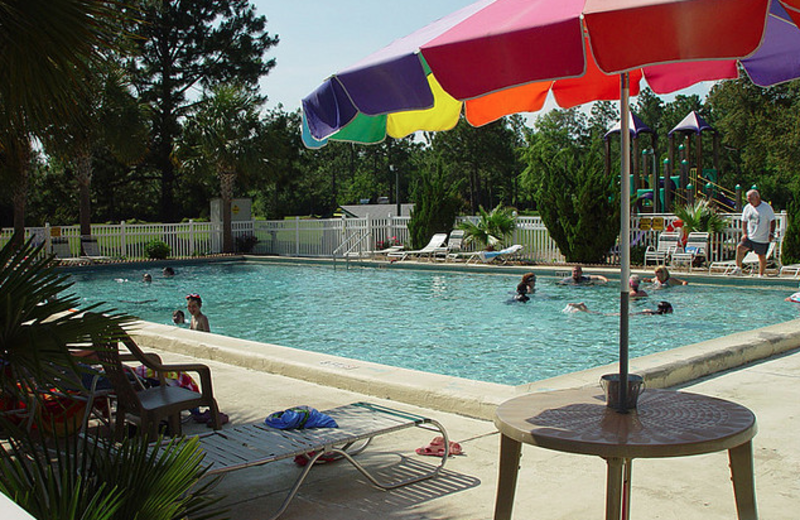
320	37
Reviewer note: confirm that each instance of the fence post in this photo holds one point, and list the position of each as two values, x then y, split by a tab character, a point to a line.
123	243
47	246
297	236
191	237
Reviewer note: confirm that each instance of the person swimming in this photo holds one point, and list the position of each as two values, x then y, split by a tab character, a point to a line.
178	317
634	291
522	293
662	308
663	279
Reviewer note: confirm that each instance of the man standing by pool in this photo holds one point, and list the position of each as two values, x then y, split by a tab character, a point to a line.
758	230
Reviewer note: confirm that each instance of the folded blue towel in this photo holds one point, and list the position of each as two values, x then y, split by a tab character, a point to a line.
300	417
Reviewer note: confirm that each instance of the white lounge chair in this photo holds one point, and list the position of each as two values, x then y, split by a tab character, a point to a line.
696	247
503	255
749	263
63	253
791	269
91	251
436	244
453	249
661	254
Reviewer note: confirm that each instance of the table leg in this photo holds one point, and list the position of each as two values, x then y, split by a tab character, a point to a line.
627	465
507	477
744	491
614	487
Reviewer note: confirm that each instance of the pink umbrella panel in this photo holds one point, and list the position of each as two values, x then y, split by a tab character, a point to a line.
499	57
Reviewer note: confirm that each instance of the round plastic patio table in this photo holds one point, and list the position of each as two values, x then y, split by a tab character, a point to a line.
665	423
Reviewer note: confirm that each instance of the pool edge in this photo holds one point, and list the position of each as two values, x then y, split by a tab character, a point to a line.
466	397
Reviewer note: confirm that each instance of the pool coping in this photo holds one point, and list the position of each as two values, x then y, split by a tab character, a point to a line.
466	397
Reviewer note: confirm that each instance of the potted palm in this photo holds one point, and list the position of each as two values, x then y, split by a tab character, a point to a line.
492	229
701	216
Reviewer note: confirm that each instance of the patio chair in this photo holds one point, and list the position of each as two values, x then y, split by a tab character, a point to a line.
503	256
63	253
358	423
791	269
452	250
152	405
695	250
749	263
661	254
91	251
436	244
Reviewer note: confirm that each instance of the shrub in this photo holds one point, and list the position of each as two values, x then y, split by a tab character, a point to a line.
157	250
246	243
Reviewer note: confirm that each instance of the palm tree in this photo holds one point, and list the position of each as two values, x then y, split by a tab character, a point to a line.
112	119
700	216
492	230
46	47
221	137
40	322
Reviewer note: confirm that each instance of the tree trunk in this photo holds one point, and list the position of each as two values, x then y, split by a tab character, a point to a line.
83	173
226	180
20	161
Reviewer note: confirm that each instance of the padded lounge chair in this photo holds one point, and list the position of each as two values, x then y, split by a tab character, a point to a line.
436	244
152	405
791	269
63	253
502	256
696	247
91	251
661	254
258	444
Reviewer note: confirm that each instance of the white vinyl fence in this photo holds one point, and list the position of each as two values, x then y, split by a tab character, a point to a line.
340	237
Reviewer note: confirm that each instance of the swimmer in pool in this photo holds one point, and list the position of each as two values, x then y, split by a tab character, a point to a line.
522	293
199	320
795	298
147	278
168	272
178	318
662	279
633	287
578	278
529	279
661	308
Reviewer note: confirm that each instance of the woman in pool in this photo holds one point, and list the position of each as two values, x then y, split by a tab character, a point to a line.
662	279
661	308
633	287
199	320
522	293
529	279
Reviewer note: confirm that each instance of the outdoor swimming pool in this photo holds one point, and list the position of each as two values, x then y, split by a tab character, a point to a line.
451	323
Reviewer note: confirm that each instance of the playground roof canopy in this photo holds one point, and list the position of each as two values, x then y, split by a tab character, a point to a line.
692	123
636	126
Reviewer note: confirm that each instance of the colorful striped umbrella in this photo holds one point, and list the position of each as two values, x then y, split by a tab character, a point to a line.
500	57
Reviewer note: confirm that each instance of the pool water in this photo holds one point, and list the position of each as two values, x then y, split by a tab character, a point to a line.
459	324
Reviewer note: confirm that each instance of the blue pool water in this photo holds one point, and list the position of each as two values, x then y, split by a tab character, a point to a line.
458	324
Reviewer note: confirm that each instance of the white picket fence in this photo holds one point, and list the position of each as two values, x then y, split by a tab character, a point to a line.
340	236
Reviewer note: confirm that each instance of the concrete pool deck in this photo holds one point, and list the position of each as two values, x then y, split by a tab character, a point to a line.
552	485
759	369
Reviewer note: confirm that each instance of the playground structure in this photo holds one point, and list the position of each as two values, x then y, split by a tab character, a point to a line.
683	184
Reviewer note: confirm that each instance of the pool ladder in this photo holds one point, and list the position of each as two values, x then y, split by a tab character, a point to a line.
353	241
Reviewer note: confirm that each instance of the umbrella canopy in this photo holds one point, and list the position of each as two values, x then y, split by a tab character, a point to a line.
692	123
479	61
635	126
499	57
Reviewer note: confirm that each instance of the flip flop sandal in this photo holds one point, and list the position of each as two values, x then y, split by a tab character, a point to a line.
223	419
436	448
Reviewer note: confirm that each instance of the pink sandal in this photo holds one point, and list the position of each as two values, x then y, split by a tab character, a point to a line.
436	448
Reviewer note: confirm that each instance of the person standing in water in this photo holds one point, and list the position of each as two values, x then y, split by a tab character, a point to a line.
199	320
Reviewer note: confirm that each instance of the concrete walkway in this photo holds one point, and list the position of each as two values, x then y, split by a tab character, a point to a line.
552	485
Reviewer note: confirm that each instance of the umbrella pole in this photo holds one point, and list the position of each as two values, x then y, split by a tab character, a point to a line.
625	238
